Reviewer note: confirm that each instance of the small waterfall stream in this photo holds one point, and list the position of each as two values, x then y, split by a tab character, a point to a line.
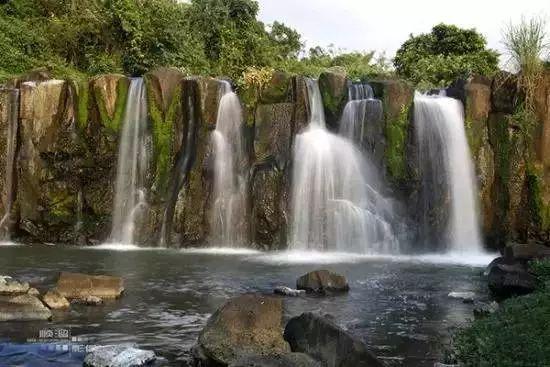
362	109
11	144
445	164
130	193
335	204
229	201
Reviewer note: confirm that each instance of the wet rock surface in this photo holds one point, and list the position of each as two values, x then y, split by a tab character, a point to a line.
8	285
284	360
55	301
326	342
246	325
81	286
118	356
322	282
23	308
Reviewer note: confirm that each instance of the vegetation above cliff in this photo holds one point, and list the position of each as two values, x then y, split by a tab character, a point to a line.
216	37
447	53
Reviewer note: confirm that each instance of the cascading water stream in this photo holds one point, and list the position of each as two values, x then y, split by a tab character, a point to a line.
229	202
362	109
11	142
444	155
335	206
130	193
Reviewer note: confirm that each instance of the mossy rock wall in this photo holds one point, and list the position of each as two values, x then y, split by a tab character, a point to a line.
191	218
397	97
333	86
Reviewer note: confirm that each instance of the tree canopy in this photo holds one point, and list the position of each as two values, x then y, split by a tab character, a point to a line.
216	37
446	53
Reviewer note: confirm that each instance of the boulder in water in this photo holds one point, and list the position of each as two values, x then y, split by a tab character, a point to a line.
326	342
322	282
23	308
282	360
8	285
81	286
246	325
87	301
466	297
55	301
509	280
286	291
118	356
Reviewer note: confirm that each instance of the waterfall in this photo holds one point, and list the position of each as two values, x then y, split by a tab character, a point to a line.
446	167
130	193
360	91
229	205
11	143
361	110
335	205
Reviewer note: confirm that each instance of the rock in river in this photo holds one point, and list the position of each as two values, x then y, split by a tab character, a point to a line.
246	325
81	286
322	282
118	356
286	291
509	280
8	285
326	342
23	308
55	301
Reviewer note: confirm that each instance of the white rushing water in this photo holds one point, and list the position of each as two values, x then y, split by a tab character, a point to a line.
130	193
335	205
362	109
11	144
441	136
229	205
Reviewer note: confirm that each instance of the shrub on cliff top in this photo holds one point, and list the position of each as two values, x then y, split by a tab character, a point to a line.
447	53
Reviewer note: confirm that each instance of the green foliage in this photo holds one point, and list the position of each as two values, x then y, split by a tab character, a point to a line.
527	45
444	55
518	334
541	269
396	134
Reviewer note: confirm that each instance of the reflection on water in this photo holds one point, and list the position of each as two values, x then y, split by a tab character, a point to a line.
397	305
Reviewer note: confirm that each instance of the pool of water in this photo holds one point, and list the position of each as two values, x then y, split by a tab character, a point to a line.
398	305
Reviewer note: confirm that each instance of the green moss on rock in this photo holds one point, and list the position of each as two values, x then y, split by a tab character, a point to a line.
82	106
114	122
163	126
396	138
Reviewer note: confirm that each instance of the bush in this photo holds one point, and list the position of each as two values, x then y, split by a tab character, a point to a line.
444	55
517	335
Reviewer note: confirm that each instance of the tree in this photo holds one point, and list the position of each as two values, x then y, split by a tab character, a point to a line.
447	53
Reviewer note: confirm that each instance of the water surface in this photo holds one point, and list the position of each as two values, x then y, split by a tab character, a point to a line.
398	305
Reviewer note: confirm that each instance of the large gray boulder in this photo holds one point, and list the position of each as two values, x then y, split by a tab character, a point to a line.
322	282
506	280
81	286
118	356
246	325
326	342
23	308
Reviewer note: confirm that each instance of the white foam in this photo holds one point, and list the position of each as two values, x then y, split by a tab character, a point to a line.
8	244
221	251
313	257
122	247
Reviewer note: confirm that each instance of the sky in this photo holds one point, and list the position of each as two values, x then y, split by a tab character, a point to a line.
383	25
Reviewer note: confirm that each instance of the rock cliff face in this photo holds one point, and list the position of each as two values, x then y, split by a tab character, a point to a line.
65	137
